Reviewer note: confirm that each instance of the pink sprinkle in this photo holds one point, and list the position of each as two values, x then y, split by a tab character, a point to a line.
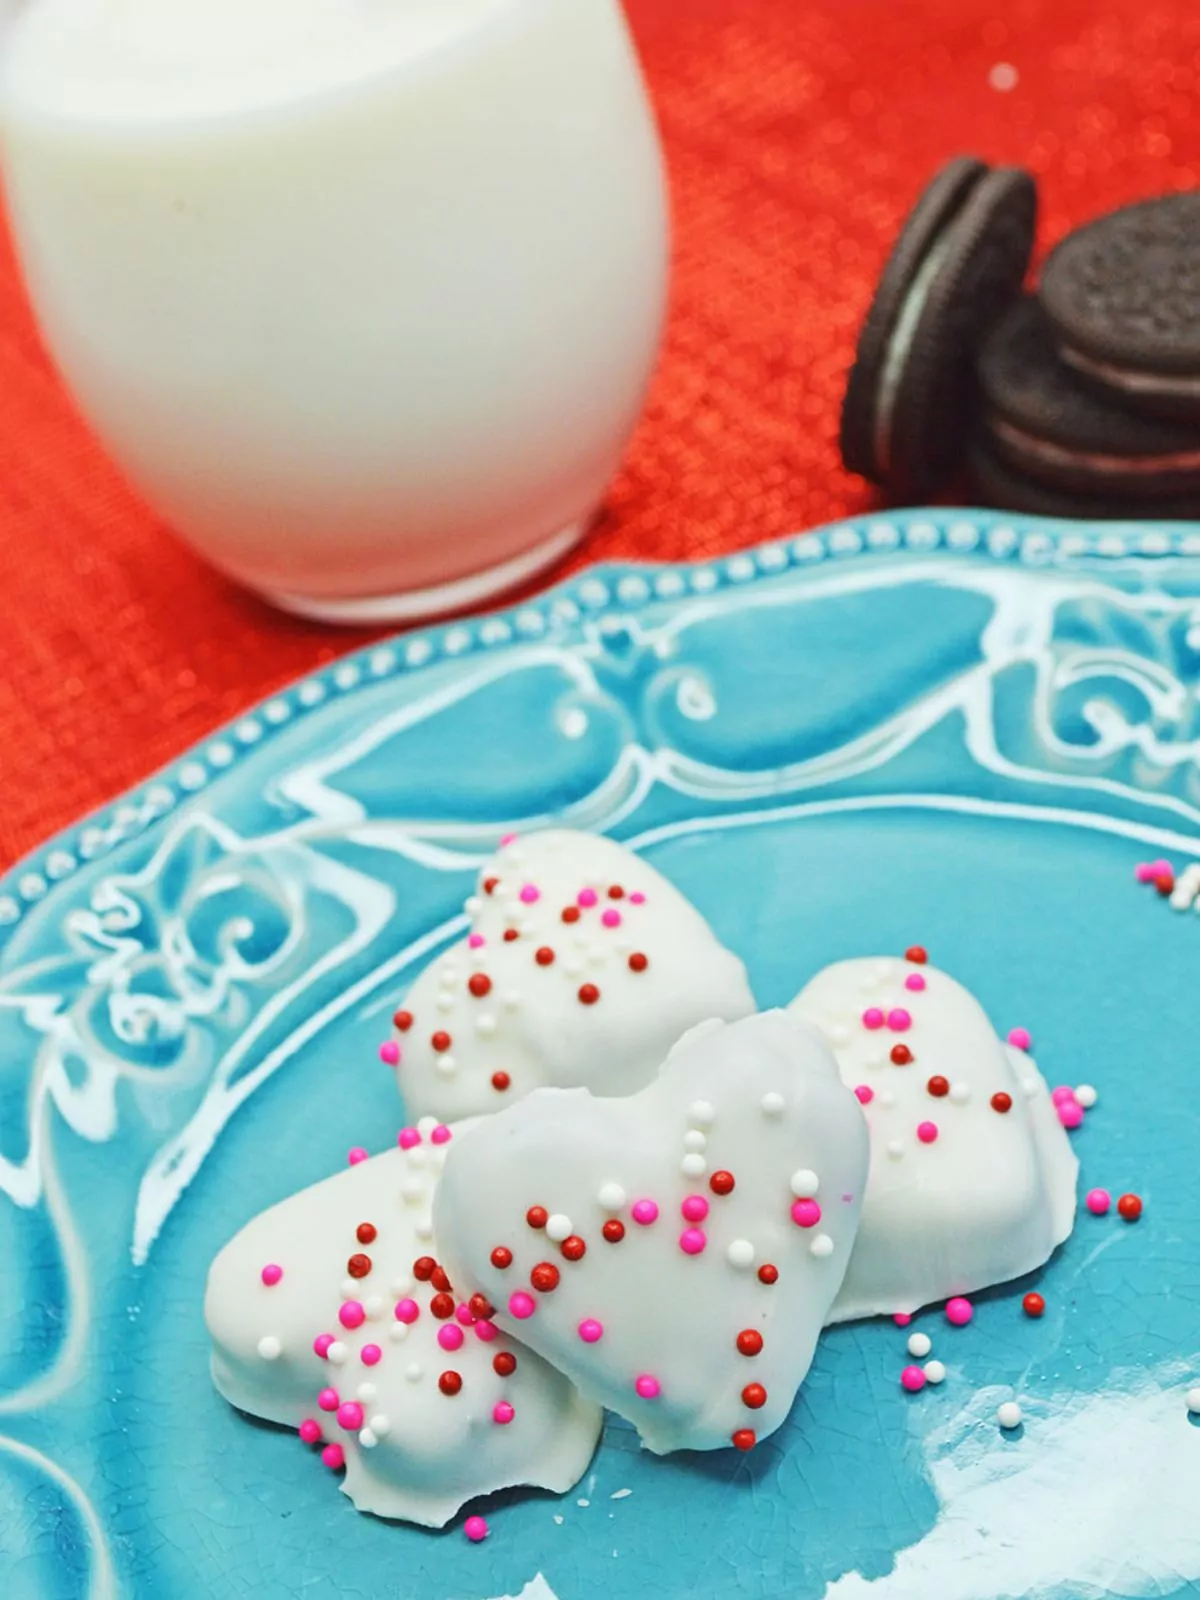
915	982
352	1314
1070	1113
591	1331
334	1457
441	1134
476	941
1144	872
649	1388
586	898
502	1413
450	1336
371	1355
350	1416
637	898
389	1053
271	1275
321	1344
1157	868
806	1213
611	919
872	1018
899	1020
328	1400
356	1155
530	894
959	1311
1020	1038
486	1330
1063	1095
521	1305
476	1529
464	1314
507	838
407	1311
645	1212
692	1241
408	1138
902	1319
927	1132
695	1208
913	1379
310	1431
1098	1201
865	1094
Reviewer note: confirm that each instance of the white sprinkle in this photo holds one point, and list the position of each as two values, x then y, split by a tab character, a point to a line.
417	1157
695	1140
473	905
883	970
426	1126
935	1371
772	1105
611	1196
895	1149
875	1060
349	1289
485	1026
1009	1415
269	1347
838	1034
960	1093
337	1353
558	1519
886	1098
919	1345
620	1494
479	960
424	1229
375	1306
445	1001
701	1113
597	955
693	1166
740	1253
366	1392
447	1065
805	1183
449	974
400	1288
367	1438
414	1372
512	1000
381	1425
1193	1401
821	1246
558	1227
412	1192
398	1332
572	966
583	1501
1086	1096
1031	1086
1004	77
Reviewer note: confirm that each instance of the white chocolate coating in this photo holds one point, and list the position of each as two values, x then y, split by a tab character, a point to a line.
993	1194
760	1099
531	1023
419	1454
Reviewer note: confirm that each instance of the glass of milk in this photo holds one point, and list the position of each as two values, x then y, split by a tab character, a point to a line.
363	295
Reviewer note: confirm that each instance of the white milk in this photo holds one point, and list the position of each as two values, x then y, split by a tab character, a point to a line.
363	294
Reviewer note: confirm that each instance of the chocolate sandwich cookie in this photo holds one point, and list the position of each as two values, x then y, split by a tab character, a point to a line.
1124	297
996	482
1041	419
962	255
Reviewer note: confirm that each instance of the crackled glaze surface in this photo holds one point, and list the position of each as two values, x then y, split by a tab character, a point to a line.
193	987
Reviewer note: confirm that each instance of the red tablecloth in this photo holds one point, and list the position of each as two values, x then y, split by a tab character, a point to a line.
797	132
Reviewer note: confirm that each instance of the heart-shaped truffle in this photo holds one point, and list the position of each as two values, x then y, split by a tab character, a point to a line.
674	1253
972	1176
582	968
332	1314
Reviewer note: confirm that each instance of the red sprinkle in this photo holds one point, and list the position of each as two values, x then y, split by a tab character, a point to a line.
917	953
745	1439
901	1055
768	1273
638	962
588	994
450	1382
1002	1102
424	1268
545	956
754	1396
489	885
403	1020
479	984
938	1086
442	1306
571	914
440	1281
510	934
440	1041
366	1233
1165	883
501	1257
616	892
537	1216
480	1307
1130	1207
614	1231
1033	1304
722	1182
358	1266
505	1363
544	1277
501	1081
574	1248
750	1341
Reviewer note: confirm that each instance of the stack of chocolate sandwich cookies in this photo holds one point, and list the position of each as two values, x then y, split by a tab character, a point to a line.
1080	401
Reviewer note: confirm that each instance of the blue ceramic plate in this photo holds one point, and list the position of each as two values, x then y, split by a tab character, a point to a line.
938	728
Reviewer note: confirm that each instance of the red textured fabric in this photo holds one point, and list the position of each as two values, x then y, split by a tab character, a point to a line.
798	132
